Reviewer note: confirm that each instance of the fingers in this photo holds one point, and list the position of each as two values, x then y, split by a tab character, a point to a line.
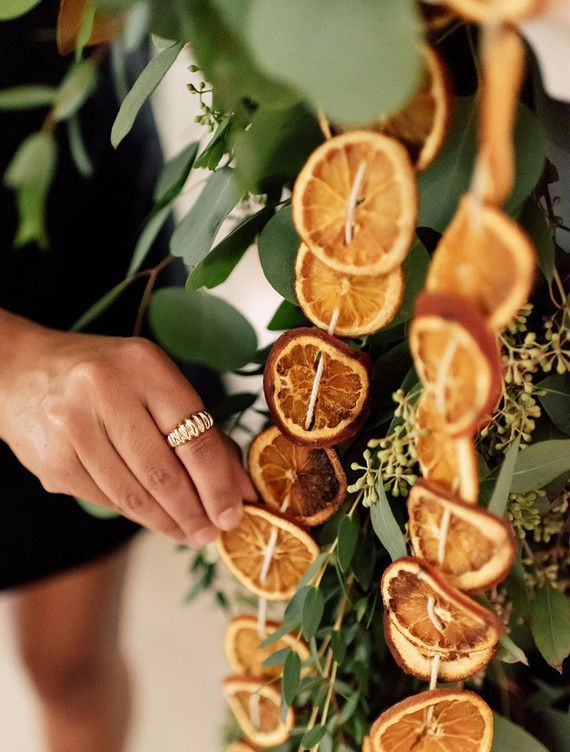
243	480
158	469
117	483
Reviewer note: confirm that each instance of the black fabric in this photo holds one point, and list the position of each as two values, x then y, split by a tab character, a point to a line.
93	225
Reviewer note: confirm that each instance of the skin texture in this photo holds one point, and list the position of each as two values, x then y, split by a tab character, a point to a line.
88	415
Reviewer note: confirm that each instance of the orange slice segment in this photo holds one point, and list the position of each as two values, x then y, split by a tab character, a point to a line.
486	259
457	359
454	624
262	725
311	480
447	461
355	203
417	662
242	646
492	11
480	547
440	720
243	551
364	303
342	398
422	124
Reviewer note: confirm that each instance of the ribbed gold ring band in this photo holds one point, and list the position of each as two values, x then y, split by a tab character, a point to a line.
190	428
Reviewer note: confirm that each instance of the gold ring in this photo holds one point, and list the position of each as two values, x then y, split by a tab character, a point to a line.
190	428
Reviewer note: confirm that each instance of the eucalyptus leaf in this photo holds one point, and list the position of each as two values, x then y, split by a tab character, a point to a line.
332	52
217	146
100	305
556	401
533	219
277	658
95	510
77	147
174	174
550	624
540	463
278	245
291	678
143	87
27	97
498	502
14	8
313	609
149	234
511	650
198	327
338	646
508	737
193	237
76	88
287	316
347	541
313	736
348	709
385	525
312	570
555	729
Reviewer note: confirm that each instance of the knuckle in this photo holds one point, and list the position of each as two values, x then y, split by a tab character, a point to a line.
162	478
89	375
132	500
204	447
139	349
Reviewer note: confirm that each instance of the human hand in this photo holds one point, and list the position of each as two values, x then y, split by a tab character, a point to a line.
88	416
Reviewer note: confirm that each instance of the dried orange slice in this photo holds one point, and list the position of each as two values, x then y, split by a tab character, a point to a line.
503	70
240	747
242	645
440	720
491	11
366	744
435	16
448	461
486	259
311	480
434	615
457	358
267	729
480	547
364	303
355	203
342	398
69	21
417	662
243	550
422	124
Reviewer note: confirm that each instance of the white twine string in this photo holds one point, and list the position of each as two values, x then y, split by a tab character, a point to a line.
265	564
443	373
255	710
352	201
319	375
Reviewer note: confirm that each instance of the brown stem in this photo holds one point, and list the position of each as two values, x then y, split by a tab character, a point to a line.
143	305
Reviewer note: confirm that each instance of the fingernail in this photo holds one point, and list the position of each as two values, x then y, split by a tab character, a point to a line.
205	535
230	518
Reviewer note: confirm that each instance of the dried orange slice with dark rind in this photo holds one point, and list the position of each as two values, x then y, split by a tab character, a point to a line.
457	358
417	662
422	124
459	721
448	461
311	479
480	547
355	203
243	551
242	646
484	258
364	303
464	625
495	11
272	730
343	396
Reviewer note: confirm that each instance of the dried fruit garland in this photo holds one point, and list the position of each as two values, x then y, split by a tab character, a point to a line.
354	206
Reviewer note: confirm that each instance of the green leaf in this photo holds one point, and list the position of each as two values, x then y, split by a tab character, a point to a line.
512	653
550	624
312	614
232	404
291	677
533	219
226	255
500	495
312	570
77	147
27	97
530	155
277	658
338	646
287	316
198	327
541	463
278	246
508	737
216	147
85	28
385	525
348	709
415	273
275	146
174	174
95	510
193	237
14	8
555	729
313	736
76	88
100	305
347	541
144	86
331	52
556	401
149	234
